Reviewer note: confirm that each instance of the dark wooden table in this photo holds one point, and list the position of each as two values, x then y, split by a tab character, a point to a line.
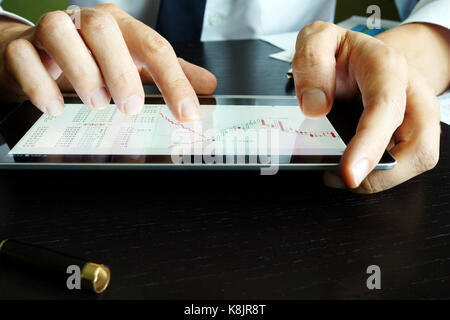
233	235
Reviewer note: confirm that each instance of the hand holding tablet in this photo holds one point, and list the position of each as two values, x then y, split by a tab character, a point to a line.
401	111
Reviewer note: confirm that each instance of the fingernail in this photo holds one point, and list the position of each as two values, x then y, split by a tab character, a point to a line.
189	109
100	99
133	105
54	108
314	102
360	170
332	180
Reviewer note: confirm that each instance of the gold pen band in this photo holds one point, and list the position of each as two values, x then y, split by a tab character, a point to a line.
95	277
2	243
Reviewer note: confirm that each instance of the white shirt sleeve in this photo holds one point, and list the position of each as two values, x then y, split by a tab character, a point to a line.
13	16
431	11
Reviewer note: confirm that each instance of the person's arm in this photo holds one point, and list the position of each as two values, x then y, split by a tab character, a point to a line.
424	39
427	48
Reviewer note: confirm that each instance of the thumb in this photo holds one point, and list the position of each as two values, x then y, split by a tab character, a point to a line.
314	67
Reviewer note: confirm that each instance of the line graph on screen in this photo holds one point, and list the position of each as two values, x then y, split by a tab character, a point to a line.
282	125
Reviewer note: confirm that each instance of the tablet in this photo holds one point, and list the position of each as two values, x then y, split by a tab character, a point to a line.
235	132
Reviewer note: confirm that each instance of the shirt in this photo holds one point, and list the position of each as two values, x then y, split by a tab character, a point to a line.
238	19
248	19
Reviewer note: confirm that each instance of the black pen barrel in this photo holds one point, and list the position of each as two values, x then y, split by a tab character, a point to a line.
94	277
38	258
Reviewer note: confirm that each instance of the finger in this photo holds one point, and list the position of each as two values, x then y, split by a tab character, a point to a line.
24	63
383	84
314	67
57	36
162	63
50	64
417	143
104	38
418	140
413	158
156	55
203	81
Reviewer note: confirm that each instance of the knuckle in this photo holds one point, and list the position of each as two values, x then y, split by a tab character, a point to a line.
313	28
317	26
16	48
53	23
321	25
177	83
81	73
312	57
53	18
98	20
155	44
124	78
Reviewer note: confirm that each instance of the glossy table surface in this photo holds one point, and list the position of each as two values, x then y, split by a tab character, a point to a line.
232	235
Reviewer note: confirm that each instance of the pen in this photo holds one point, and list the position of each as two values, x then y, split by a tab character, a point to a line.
93	277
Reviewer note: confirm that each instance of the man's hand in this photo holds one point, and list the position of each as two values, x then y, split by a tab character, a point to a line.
401	112
111	55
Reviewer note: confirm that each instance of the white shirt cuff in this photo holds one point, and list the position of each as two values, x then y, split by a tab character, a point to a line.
15	17
431	11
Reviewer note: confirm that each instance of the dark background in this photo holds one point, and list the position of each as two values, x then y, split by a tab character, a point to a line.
235	235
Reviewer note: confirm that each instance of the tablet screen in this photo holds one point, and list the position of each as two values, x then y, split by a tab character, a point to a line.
223	129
